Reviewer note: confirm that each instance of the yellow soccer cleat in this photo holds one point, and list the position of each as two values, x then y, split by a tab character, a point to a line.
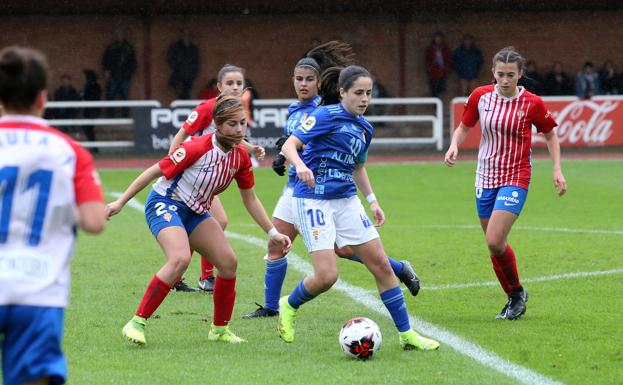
134	330
287	316
410	340
223	334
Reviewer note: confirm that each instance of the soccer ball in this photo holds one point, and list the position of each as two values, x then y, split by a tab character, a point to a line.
360	338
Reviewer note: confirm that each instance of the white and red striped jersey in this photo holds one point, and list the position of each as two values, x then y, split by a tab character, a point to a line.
44	176
198	170
200	121
506	125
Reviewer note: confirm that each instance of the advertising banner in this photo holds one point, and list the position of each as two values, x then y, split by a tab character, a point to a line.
596	122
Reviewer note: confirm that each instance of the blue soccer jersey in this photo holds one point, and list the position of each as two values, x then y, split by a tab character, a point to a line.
297	114
334	142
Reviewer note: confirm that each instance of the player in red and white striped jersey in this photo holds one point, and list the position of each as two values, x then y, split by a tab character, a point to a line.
48	187
230	81
506	114
177	212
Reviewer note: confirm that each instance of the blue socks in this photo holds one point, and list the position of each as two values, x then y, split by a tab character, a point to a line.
273	281
300	295
396	265
394	301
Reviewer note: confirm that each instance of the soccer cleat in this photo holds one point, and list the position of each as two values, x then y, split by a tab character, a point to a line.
223	334
411	340
287	316
409	278
261	311
134	330
514	308
207	284
183	287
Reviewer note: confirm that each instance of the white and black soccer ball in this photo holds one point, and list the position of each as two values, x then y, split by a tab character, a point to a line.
360	338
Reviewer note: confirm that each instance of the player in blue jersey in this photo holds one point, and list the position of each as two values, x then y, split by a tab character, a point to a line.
327	210
305	80
48	188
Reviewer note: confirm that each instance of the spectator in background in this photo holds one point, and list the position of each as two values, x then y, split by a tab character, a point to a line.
65	93
587	82
609	80
557	82
183	58
209	91
531	79
438	63
90	92
119	64
467	62
378	91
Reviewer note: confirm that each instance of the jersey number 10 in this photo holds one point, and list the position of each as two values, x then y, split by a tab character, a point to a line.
8	183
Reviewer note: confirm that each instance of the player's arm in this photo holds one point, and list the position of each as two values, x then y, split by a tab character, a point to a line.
135	187
460	133
92	216
256	209
360	175
553	146
290	151
256	150
178	139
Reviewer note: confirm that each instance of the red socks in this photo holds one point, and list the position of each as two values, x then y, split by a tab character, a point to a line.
207	269
505	267
224	297
156	292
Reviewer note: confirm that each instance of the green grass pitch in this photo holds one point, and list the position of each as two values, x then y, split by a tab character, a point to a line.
570	334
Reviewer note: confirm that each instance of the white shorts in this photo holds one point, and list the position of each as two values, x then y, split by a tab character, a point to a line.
323	223
283	209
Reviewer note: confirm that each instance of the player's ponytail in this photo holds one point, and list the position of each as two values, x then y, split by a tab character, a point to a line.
332	54
23	75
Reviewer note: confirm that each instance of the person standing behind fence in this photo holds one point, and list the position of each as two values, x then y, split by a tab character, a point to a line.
467	62
438	63
587	82
183	58
119	64
48	187
65	93
90	92
557	82
506	114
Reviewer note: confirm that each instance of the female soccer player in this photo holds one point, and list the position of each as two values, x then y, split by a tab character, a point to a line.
48	186
327	209
177	211
230	81
306	80
506	113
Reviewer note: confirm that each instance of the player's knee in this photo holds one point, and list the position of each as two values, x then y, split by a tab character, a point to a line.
180	262
344	252
326	279
223	222
496	246
227	265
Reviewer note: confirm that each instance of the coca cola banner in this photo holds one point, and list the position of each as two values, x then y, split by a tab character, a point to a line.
581	123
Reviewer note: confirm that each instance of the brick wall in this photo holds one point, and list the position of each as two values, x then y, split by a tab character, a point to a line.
268	46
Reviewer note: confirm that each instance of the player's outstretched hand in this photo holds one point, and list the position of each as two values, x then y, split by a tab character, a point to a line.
279	164
259	152
451	155
560	184
306	175
283	240
379	215
113	208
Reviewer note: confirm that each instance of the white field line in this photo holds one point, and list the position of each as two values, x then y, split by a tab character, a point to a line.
369	300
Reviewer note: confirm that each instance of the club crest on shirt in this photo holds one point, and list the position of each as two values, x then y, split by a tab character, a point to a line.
521	114
548	114
178	155
167	216
308	124
192	117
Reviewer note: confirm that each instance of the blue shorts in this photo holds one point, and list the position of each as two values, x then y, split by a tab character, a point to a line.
31	348
162	212
508	198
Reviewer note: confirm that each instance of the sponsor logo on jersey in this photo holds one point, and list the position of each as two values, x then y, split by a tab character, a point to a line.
192	117
303	118
167	216
308	124
178	155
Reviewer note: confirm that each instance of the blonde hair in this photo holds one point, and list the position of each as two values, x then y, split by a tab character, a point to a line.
226	108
